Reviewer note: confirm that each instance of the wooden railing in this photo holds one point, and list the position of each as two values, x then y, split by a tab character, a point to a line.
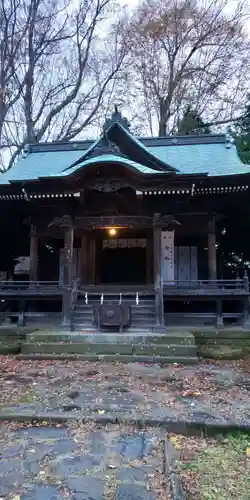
74	293
24	284
207	286
27	287
73	298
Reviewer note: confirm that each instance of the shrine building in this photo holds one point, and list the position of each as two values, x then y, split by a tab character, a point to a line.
121	220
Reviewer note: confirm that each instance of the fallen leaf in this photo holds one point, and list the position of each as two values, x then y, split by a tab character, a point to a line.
176	442
191	393
248	452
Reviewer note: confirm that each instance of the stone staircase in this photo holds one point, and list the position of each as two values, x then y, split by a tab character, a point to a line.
173	347
137	343
142	314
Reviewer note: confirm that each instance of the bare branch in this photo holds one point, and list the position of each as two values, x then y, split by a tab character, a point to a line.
63	70
193	50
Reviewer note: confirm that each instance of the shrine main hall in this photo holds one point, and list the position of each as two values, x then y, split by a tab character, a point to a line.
124	222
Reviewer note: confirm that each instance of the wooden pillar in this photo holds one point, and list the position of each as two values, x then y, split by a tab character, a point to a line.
67	272
33	274
212	261
149	260
91	255
219	315
21	310
158	282
83	260
246	312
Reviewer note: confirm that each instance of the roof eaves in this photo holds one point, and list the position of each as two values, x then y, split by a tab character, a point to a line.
184	140
175	140
47	147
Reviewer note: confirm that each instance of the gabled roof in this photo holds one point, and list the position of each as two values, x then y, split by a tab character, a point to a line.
117	139
208	154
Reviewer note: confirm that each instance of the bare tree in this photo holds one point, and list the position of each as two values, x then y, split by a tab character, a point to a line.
12	33
68	58
189	52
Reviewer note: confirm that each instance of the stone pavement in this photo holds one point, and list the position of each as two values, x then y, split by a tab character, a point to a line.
81	462
205	393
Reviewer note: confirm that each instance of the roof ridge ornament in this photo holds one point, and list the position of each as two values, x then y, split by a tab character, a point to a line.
116	117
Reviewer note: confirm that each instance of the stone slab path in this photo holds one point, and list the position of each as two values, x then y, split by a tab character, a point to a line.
81	462
218	393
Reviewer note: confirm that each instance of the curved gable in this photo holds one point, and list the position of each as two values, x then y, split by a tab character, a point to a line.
114	160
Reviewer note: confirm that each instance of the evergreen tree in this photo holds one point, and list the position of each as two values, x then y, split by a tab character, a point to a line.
192	124
242	143
243	124
242	134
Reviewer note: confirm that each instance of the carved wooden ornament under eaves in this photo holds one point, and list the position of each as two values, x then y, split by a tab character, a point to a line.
165	221
64	222
107	186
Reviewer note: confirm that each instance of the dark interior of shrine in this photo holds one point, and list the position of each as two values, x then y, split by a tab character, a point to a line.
123	265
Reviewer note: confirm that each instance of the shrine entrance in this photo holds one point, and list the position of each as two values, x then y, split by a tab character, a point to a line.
121	259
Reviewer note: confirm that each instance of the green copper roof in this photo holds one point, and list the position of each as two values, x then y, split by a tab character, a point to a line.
211	155
117	138
213	159
41	164
110	159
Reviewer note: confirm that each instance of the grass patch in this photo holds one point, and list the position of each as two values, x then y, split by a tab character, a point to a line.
223	348
223	352
10	347
12	338
217	469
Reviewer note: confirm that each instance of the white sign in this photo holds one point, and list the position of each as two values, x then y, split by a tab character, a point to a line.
125	243
167	246
22	266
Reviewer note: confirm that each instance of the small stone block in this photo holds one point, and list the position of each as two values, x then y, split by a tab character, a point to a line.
41	492
133	492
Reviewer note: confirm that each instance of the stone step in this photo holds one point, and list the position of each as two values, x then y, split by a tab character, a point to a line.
141	319
173	350
86	317
184	338
114	358
134	309
84	327
139	328
139	309
136	329
137	320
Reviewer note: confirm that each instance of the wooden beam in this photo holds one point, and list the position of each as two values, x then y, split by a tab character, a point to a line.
33	274
212	252
159	303
67	272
